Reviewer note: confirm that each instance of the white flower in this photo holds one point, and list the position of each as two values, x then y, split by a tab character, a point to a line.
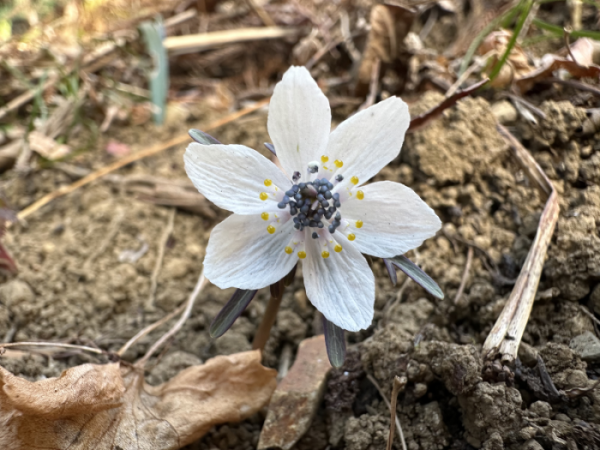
269	233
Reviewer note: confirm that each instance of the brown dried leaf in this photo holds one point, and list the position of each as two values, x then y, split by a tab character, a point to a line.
587	58
389	26
106	407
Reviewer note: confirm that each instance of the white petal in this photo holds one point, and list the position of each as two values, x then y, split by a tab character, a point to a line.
342	286
395	219
369	140
233	176
299	120
242	254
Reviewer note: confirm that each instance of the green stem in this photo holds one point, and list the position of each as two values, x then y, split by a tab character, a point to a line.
513	39
559	31
507	16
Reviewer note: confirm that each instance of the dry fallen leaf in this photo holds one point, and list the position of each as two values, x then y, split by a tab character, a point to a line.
389	26
586	64
108	407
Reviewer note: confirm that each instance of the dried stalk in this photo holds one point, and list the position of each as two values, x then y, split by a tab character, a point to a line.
205	41
159	259
387	402
398	386
186	314
505	337
465	276
131	158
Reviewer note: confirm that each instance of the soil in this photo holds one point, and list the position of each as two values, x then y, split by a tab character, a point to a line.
75	284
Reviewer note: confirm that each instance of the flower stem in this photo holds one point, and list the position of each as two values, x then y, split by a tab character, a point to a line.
264	329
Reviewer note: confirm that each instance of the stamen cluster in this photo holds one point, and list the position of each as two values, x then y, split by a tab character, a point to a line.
311	201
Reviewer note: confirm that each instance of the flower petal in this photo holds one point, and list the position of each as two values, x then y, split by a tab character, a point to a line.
369	140
233	176
242	254
341	286
299	120
395	219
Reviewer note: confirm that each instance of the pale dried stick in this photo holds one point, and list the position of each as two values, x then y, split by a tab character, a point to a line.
196	42
150	328
133	157
398	385
387	402
186	314
506	334
465	276
264	15
53	344
162	244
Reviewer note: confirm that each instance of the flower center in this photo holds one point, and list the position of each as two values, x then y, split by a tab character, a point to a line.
312	201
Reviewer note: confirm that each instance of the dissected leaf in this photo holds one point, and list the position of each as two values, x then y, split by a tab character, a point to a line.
335	341
417	275
108	407
391	270
231	311
297	398
201	137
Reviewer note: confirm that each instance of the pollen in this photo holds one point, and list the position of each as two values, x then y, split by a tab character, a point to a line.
289	250
263	196
271	229
301	254
268	182
338	248
338	163
264	216
325	254
354	180
324	158
359	224
360	195
351	236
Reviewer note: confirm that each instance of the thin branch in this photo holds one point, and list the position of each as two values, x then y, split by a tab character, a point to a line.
506	334
387	402
186	314
162	244
398	385
465	276
150	329
131	158
54	344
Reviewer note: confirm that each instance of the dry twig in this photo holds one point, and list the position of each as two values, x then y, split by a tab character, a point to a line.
196	42
186	313
505	337
387	402
465	276
162	244
398	386
131	158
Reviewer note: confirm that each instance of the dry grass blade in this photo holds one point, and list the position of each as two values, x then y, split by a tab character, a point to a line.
505	337
131	158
